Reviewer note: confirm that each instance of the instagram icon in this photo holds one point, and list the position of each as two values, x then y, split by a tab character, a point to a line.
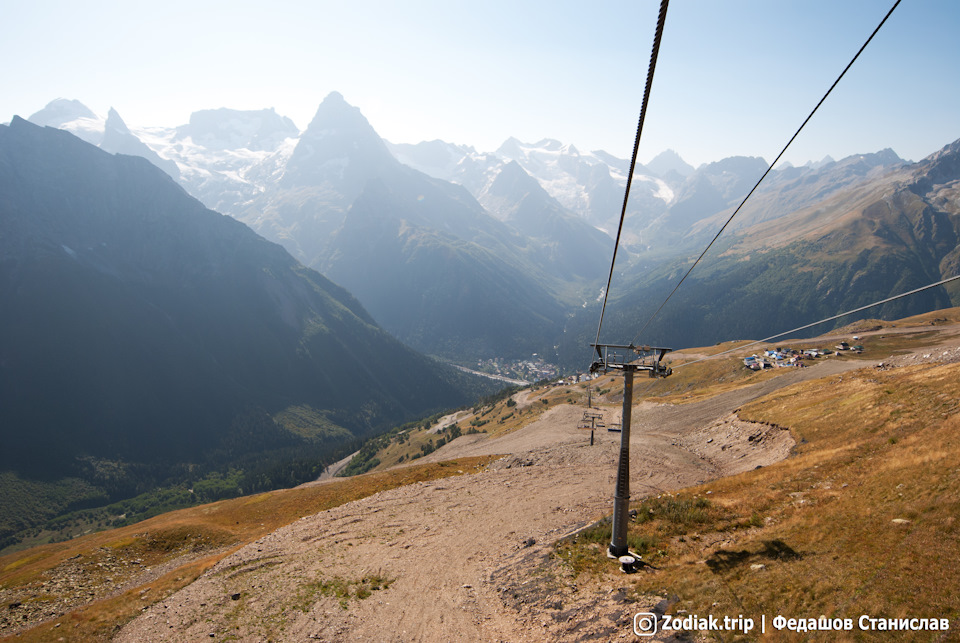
645	624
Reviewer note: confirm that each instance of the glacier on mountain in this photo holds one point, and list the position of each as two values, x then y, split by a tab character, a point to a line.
227	157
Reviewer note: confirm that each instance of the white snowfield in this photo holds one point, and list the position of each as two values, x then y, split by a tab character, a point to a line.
239	156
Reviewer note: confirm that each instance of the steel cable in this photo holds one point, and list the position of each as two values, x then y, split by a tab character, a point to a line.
823	321
775	161
661	18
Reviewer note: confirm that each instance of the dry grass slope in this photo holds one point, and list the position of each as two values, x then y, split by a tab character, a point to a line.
85	589
861	520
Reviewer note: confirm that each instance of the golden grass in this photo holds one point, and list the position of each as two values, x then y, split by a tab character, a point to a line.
218	528
101	620
697	379
862	520
873	447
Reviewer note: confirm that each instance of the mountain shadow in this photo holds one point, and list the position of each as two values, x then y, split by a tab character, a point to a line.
140	327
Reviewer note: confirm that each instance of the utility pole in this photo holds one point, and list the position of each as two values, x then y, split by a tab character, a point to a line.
589	421
650	361
621	497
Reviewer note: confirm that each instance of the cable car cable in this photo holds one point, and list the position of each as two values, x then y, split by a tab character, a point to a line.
775	161
661	18
822	321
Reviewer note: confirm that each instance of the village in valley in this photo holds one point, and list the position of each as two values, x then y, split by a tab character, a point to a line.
529	370
535	369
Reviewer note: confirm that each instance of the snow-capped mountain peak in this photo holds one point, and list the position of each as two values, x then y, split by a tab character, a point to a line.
230	129
227	157
73	116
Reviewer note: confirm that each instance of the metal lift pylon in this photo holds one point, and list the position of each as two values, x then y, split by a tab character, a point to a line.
650	360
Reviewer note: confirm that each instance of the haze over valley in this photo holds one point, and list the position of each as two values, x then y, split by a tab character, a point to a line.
473	256
187	352
298	305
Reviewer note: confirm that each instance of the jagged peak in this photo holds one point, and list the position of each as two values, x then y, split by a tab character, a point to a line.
550	144
334	110
735	164
60	111
668	153
115	123
24	127
669	161
946	150
510	148
816	165
943	166
338	137
226	128
884	157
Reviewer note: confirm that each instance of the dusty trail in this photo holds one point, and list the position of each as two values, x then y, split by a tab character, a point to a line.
450	547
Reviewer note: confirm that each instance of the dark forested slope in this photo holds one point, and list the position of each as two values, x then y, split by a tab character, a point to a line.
137	326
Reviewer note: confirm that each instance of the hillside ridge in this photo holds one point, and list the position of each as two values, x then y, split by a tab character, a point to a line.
346	570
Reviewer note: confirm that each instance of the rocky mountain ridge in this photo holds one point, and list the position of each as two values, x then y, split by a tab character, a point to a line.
855	232
143	333
525	219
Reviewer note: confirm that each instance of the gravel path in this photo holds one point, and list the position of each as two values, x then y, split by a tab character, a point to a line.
436	558
467	558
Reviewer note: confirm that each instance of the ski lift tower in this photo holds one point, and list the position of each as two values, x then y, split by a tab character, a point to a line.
642	358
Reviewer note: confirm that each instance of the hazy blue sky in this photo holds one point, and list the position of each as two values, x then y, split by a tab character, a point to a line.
735	77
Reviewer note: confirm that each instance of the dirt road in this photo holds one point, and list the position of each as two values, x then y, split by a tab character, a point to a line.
439	559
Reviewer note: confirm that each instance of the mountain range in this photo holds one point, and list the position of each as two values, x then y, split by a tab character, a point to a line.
814	243
508	258
469	255
220	304
142	333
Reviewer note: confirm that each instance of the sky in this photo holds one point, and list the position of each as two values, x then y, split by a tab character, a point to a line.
734	77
